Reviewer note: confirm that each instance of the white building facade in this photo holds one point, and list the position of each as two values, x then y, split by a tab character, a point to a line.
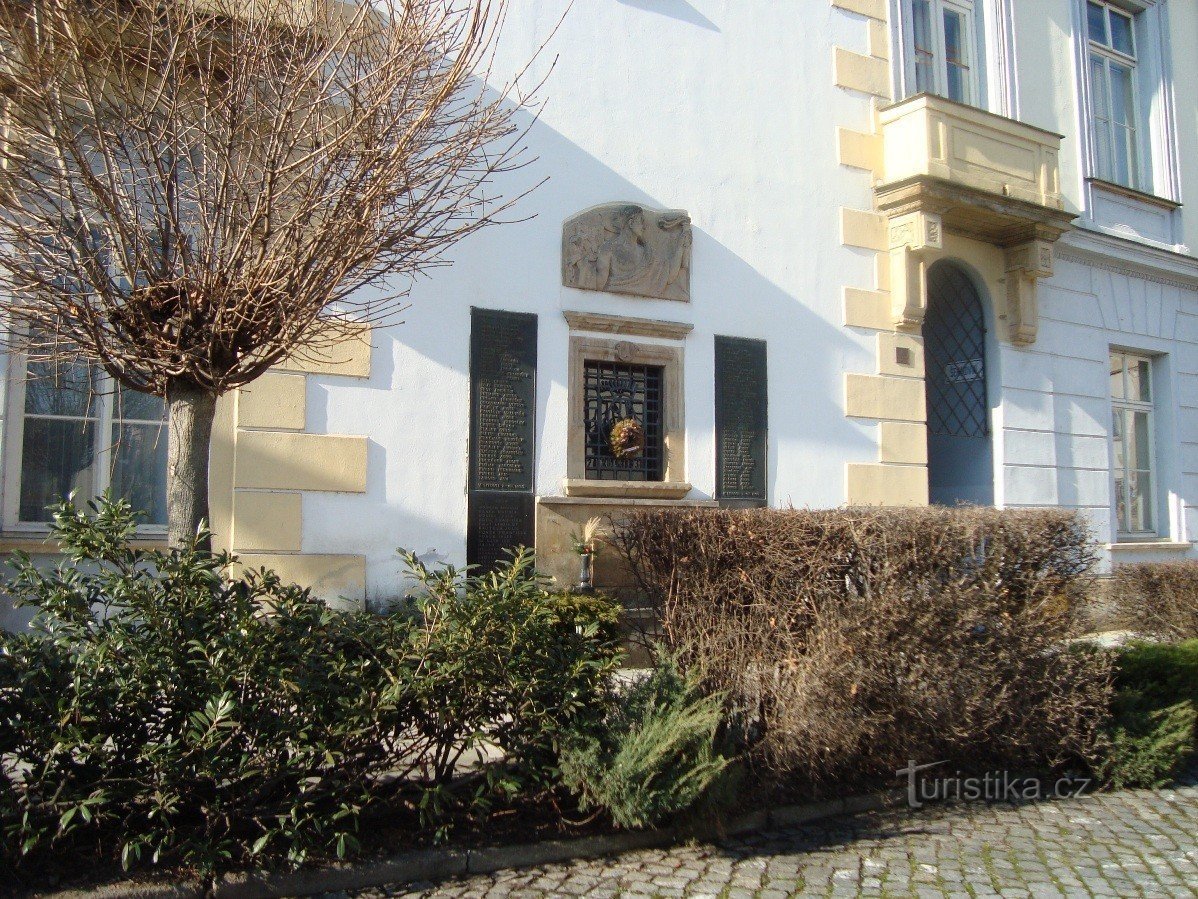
820	252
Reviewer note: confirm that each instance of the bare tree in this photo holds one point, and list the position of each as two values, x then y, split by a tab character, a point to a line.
192	191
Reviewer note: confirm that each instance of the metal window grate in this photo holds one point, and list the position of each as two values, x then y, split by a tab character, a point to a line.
613	391
955	355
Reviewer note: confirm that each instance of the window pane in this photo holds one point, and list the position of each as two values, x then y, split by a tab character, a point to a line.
1117	376
1101	117
1122	104
1141	456
1138	387
133	404
1096	23
139	469
956	56
1121	33
56	459
1119	457
1140	500
921	38
60	388
1121	503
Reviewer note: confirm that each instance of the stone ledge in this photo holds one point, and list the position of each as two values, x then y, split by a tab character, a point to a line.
581	487
604	323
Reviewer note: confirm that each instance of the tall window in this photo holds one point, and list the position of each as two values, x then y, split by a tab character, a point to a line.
1111	63
941	49
74	431
1132	445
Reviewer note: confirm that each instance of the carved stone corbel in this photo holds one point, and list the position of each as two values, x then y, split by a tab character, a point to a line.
914	238
1025	263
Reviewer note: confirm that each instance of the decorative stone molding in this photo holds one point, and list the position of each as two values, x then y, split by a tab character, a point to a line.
953	168
630	249
626	489
914	239
628	326
595	349
1024	264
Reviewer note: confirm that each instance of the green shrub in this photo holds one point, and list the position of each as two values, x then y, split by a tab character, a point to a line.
1154	715
505	661
162	710
1159	599
657	756
851	641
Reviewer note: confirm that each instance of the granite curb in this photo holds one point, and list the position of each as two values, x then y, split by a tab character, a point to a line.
441	864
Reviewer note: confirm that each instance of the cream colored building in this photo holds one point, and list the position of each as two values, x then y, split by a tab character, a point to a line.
933	250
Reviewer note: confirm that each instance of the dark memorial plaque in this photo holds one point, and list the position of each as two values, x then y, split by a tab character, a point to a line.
740	421
497	522
503	383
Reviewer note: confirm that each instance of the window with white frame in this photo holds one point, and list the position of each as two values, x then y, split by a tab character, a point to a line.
1132	444
941	49
73	430
1111	64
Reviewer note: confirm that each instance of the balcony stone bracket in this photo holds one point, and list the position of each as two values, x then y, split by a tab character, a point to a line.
922	210
957	171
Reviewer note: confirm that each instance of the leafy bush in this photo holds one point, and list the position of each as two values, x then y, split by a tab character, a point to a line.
657	755
1159	599
851	641
163	710
1152	731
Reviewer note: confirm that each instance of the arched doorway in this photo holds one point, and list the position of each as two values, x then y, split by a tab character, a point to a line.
960	454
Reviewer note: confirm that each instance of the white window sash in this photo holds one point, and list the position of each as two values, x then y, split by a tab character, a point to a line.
103	451
1132	136
974	53
1123	406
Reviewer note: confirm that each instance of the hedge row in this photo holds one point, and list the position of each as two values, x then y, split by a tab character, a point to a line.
850	642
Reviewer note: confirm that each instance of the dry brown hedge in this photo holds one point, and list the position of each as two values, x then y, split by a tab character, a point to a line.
1157	598
850	641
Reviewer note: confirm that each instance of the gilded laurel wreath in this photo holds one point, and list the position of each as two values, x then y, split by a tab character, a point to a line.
627	438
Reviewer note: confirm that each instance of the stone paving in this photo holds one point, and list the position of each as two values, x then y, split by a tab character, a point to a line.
1131	843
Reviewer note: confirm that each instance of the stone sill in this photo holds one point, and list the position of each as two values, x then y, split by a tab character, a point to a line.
35	544
585	487
1148	546
1132	193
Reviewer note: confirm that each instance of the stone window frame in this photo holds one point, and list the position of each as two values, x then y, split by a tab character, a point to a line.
585	349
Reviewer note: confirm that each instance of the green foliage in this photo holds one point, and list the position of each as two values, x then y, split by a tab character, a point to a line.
162	709
1154	715
658	755
506	661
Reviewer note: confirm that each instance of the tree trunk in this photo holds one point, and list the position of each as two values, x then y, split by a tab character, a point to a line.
191	411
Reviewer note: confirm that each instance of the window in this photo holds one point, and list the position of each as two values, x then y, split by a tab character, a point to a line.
1132	445
616	394
76	431
1111	66
941	49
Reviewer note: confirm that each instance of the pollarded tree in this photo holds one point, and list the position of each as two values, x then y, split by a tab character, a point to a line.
192	191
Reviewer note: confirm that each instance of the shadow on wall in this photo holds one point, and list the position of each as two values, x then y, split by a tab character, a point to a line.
415	405
675	9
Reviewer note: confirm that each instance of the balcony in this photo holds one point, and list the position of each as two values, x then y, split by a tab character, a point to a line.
956	169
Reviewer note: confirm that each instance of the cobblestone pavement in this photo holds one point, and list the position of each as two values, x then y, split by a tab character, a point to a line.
1132	843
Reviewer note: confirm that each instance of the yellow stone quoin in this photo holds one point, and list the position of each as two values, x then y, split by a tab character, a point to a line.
886	485
876	396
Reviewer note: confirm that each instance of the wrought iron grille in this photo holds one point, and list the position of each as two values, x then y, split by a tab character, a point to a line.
954	333
613	391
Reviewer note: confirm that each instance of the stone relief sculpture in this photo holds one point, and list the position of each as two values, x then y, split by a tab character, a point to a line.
628	248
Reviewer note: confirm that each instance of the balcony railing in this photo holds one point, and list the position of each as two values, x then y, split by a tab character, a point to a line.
951	168
931	136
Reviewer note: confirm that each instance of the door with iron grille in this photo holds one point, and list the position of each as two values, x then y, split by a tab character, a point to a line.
960	454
